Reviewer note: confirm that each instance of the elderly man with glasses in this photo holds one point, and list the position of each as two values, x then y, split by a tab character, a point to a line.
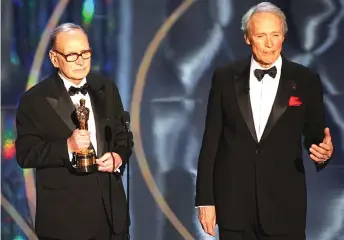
73	204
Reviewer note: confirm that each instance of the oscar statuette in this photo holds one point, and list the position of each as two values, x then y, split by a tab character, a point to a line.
85	159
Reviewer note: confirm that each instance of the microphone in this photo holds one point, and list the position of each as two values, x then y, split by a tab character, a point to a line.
108	135
126	123
126	120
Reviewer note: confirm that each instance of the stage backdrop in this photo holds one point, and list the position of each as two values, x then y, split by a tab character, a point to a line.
161	54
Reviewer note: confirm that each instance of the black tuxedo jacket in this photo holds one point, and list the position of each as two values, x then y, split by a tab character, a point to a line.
68	204
236	173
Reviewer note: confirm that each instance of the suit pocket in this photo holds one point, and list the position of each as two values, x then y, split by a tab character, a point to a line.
118	184
53	178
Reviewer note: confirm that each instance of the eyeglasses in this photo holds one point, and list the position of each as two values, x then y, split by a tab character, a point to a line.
72	57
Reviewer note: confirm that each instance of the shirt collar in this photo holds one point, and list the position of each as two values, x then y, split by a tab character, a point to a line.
68	83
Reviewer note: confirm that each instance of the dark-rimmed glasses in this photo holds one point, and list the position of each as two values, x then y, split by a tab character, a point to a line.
72	57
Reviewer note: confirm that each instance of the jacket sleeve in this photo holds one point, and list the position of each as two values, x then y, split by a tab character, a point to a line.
314	125
211	137
33	149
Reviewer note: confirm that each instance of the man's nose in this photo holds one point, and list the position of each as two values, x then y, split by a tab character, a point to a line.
79	61
268	42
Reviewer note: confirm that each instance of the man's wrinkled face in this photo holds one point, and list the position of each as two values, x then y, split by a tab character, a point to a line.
68	44
265	36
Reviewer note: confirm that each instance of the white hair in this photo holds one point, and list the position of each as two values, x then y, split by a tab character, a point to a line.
65	27
259	8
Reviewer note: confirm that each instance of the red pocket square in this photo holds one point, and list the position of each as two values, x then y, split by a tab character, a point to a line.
294	101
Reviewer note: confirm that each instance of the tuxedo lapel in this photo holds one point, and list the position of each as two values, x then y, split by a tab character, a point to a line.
96	92
241	83
284	90
60	101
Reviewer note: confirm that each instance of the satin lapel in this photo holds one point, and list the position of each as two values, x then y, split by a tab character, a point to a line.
97	97
284	91
60	101
241	83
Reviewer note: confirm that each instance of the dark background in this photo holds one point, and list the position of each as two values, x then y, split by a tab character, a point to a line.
174	96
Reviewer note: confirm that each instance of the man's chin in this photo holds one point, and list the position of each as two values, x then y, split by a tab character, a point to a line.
269	61
77	78
79	75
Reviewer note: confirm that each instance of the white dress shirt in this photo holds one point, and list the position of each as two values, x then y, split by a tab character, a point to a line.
262	95
76	101
91	122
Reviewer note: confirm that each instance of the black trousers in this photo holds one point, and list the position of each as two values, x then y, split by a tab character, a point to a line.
254	230
104	229
252	233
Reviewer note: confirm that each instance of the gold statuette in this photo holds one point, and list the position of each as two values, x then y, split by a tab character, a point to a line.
85	159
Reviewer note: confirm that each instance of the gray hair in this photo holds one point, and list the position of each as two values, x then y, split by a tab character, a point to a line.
65	27
259	8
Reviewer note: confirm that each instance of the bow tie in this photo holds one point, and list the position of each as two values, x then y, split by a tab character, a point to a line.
259	73
74	90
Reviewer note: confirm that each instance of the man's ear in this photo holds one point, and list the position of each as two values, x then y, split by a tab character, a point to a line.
53	58
247	39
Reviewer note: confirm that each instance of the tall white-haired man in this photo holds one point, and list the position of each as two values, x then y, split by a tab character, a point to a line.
251	178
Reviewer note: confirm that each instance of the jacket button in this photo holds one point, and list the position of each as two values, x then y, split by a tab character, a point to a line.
257	151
